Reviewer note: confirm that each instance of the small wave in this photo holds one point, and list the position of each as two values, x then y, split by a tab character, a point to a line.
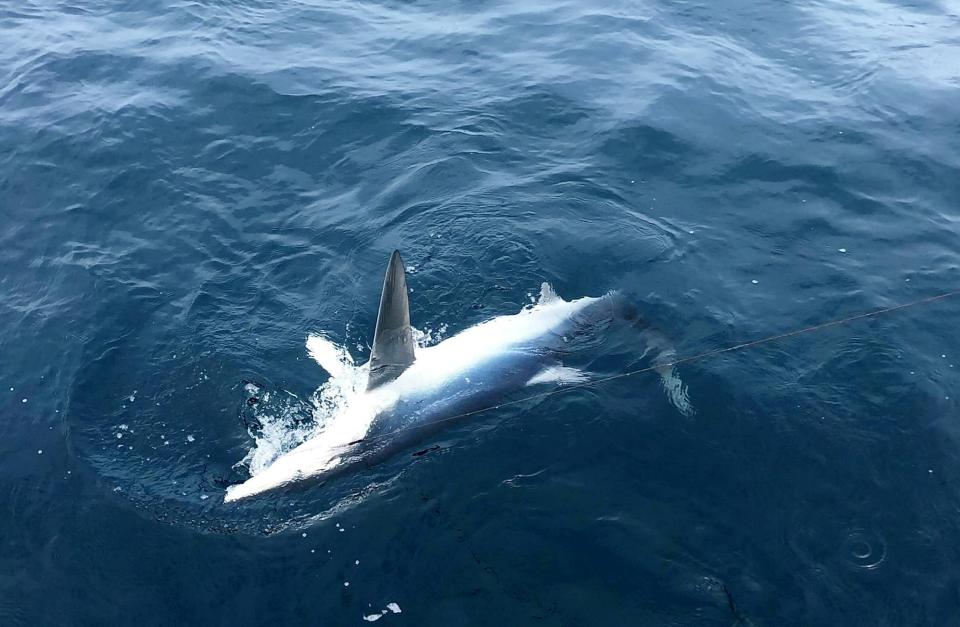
864	549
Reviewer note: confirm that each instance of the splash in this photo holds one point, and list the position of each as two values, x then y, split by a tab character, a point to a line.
284	421
428	336
281	425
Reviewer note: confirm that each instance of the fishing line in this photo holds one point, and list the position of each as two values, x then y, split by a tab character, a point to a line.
673	362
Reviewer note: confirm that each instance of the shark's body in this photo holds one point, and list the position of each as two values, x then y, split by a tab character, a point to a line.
412	391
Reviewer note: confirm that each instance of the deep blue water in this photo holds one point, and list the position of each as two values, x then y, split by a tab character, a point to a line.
189	189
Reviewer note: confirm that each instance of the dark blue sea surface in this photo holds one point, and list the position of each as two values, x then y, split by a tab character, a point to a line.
189	189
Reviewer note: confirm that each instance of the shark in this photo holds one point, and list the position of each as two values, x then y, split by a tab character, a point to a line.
412	391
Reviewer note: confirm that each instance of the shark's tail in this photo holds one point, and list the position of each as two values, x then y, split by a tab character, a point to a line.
662	352
673	386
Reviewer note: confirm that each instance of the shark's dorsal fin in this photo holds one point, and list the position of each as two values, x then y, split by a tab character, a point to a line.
393	338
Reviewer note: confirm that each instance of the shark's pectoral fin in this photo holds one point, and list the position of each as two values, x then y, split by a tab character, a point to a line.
559	375
393	347
332	358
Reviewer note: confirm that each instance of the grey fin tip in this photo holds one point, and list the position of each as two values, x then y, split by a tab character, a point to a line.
393	349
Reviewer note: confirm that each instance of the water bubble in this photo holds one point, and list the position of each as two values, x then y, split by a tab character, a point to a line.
864	549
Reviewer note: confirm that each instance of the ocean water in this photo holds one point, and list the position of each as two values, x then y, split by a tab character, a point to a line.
190	190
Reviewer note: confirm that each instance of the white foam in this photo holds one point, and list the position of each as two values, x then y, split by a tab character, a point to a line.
428	336
391	607
277	434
